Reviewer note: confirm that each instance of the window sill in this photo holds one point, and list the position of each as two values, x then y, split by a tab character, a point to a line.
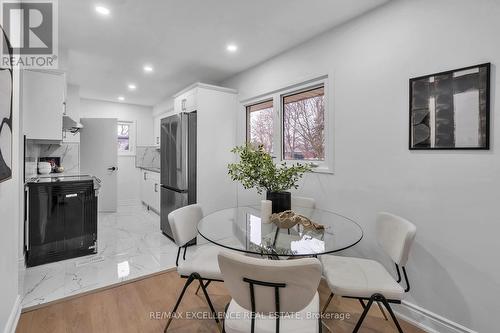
323	169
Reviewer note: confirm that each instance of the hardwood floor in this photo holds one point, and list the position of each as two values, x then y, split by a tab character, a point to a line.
133	307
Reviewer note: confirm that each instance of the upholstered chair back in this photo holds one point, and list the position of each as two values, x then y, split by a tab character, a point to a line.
395	235
299	278
184	223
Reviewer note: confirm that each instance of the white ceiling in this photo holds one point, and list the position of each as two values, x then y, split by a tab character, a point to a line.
185	40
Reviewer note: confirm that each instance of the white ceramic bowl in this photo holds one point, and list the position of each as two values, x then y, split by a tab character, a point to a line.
44	171
44	168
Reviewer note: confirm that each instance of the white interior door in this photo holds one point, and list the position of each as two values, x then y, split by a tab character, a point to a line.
99	157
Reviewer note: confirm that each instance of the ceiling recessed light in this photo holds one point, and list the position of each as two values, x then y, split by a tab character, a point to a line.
148	68
232	47
102	10
121	98
132	86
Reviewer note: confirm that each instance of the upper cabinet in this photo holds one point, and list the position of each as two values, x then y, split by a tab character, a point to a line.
72	110
186	101
43	96
157	125
157	130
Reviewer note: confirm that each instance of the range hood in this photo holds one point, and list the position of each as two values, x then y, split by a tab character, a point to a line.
71	125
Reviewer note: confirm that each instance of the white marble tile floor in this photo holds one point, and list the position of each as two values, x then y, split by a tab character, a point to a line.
130	245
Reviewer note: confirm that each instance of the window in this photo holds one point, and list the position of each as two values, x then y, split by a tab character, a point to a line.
294	124
260	124
304	125
126	138
123	137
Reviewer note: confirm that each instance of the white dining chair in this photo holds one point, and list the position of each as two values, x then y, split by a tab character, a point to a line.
201	264
271	295
302	202
368	280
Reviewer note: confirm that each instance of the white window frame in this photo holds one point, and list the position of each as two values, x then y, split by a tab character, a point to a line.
247	119
326	166
131	138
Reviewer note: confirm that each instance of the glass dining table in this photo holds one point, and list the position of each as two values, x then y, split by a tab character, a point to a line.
242	229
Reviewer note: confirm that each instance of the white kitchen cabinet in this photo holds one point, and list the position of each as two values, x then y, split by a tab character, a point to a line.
150	189
216	109
157	125
157	130
43	95
72	110
186	101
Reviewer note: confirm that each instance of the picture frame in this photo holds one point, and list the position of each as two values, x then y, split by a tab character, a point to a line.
450	110
6	114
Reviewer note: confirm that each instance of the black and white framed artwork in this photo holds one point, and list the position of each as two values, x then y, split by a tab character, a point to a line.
5	110
451	110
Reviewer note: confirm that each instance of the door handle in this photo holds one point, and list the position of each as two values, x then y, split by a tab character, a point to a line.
112	169
156	187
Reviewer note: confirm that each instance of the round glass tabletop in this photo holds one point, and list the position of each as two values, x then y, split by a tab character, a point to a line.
241	229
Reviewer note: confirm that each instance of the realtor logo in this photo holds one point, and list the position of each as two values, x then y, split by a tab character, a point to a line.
31	27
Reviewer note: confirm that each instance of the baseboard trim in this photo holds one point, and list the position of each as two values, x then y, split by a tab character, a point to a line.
11	325
427	320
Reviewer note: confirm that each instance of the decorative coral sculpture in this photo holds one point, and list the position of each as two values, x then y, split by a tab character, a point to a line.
289	219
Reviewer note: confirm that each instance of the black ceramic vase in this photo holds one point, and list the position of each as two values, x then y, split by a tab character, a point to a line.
281	201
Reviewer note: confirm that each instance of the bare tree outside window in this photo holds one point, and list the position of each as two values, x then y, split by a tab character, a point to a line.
304	125
123	137
260	125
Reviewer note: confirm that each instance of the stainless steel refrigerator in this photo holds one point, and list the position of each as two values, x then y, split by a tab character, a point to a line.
178	165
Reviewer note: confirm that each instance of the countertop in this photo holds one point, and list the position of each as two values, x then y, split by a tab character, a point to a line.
64	177
42	179
63	174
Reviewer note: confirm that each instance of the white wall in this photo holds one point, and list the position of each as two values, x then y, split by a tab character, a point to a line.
164	106
451	196
10	218
128	174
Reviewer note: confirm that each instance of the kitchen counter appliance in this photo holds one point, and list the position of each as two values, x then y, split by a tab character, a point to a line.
178	165
61	218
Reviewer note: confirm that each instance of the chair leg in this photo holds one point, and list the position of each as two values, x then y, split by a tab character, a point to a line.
391	313
214	313
362	303
363	315
186	285
206	285
327	303
197	289
377	298
382	310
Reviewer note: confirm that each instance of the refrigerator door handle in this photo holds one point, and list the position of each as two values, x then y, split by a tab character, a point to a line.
178	190
27	223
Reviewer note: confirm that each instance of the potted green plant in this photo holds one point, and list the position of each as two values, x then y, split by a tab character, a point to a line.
256	169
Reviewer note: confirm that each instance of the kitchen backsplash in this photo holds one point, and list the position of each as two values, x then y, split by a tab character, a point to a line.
147	157
69	153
